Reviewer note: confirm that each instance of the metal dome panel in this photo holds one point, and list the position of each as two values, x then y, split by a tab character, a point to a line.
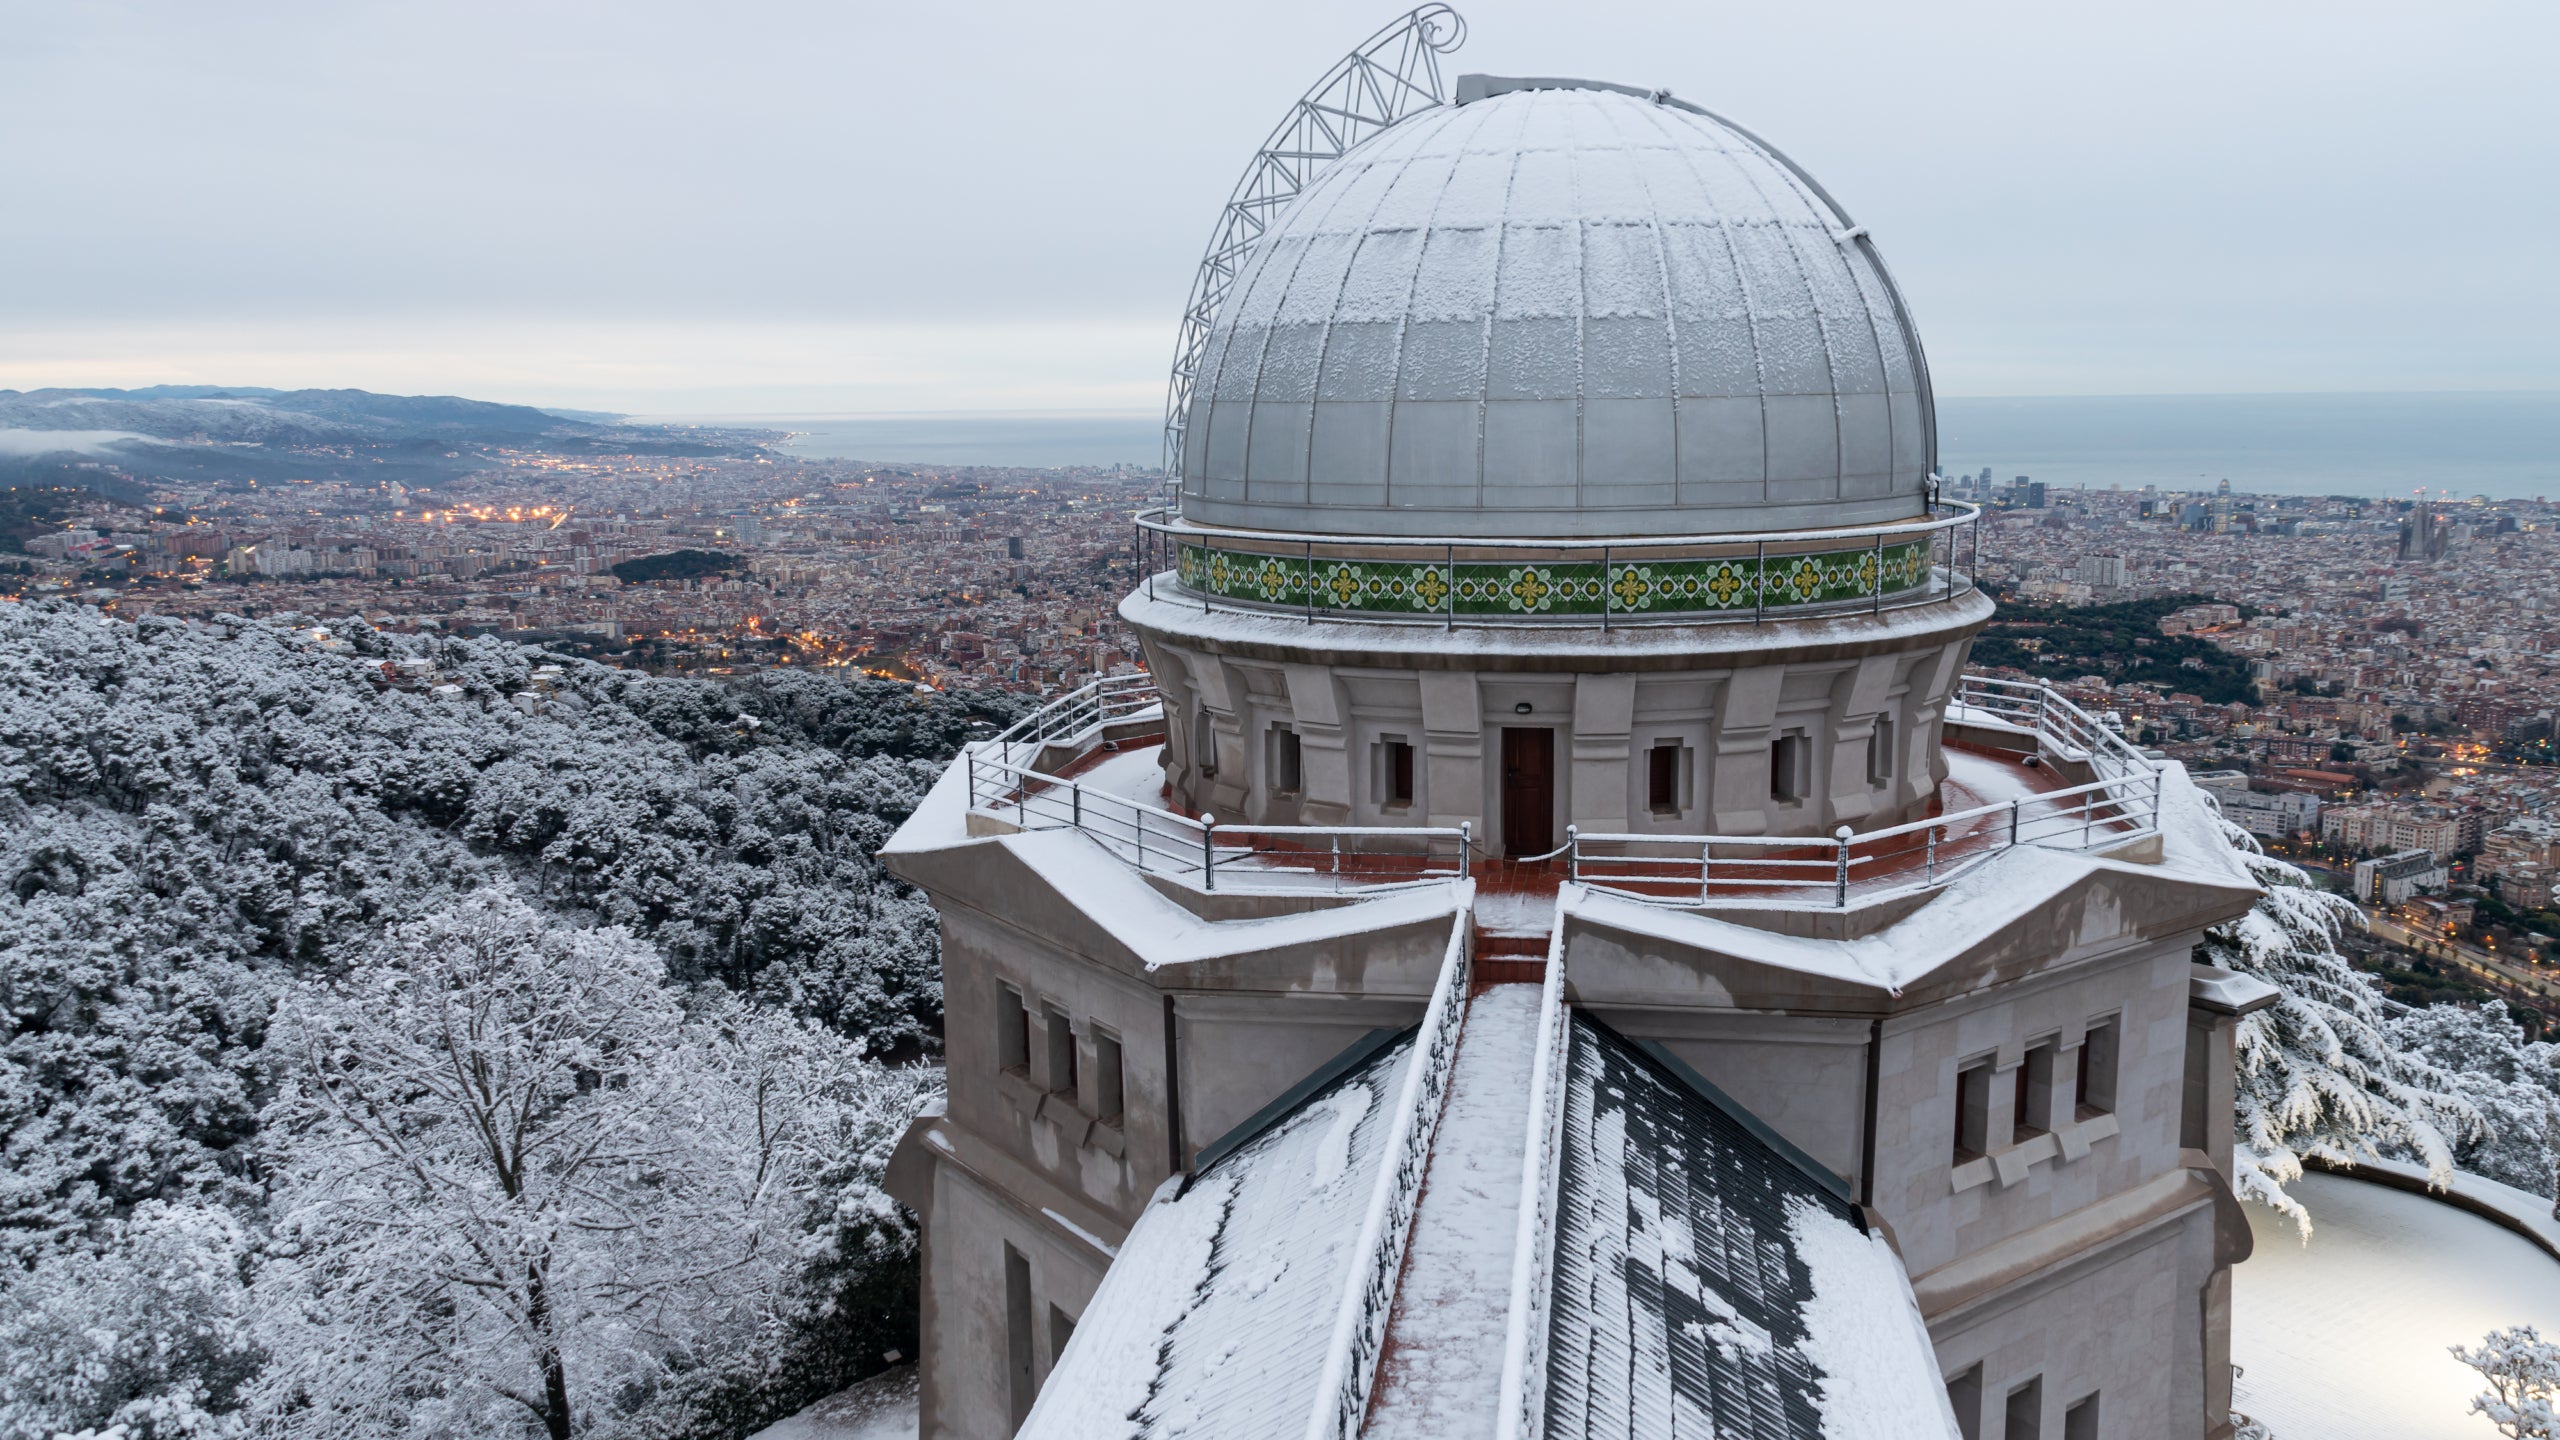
1559	309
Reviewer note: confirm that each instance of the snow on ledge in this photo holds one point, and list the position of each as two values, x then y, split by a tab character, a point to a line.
1863	1331
1161	933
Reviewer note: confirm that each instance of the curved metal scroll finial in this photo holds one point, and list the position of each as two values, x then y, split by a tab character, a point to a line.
1392	76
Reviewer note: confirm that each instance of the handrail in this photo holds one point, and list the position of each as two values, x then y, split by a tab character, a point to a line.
1377	1256
1092	704
1966	513
1620	580
2122	803
1263	858
1520	1403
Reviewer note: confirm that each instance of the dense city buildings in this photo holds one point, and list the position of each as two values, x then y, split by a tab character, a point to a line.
994	578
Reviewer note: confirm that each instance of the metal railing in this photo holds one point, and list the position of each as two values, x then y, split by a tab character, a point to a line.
1377	1256
1005	782
1521	1403
1799	872
1075	716
1623	581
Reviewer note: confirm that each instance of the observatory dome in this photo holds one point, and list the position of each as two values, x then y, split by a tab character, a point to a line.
1558	308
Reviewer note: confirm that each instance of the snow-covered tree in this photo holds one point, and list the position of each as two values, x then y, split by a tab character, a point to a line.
2523	1371
147	1339
2317	1074
517	1187
2513	1084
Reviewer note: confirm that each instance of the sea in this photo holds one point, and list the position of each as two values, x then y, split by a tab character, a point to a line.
2502	444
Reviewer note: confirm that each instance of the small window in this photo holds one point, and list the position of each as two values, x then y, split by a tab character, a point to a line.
1062	1052
1109	1083
1286	772
1790	768
1021	1387
1395	771
1964	1396
1662	778
1013	1031
1062	1328
2025	1419
2034	1113
1880	752
1973	1111
2098	1070
2080	1422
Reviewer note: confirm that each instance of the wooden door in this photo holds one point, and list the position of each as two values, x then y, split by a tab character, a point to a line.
1528	790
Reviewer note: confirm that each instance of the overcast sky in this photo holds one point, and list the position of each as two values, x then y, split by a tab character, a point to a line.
756	206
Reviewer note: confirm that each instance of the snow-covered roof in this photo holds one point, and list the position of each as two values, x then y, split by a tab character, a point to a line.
1702	1272
1215	1316
1563	310
1707	1282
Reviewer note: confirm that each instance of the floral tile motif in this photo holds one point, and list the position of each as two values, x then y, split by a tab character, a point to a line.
1653	588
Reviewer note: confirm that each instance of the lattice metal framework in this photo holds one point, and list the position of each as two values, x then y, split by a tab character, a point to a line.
1392	76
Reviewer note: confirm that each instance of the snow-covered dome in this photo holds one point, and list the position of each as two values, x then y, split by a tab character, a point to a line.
1557	308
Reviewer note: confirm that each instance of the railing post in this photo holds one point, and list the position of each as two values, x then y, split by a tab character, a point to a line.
1879	605
1307	568
973	778
1075	798
1931	836
1759	580
1208	852
1466	847
1138	823
2013	819
1706	870
1449	602
1608	592
1573	852
1840	881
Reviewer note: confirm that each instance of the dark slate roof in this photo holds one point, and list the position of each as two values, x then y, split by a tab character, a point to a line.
1679	1296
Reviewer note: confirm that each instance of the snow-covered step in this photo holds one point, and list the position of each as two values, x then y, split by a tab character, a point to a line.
1443	1358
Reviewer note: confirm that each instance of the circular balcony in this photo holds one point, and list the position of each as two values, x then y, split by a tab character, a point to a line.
1649	580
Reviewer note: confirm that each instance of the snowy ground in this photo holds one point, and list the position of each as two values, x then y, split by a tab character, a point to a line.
880	1408
1977	780
2345	1339
1132	774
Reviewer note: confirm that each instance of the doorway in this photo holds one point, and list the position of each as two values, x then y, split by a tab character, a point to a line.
1528	790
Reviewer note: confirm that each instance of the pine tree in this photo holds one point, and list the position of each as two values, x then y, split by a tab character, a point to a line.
2318	1077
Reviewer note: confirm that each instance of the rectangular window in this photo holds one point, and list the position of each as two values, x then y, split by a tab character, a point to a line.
1109	1092
1020	1387
1061	1069
2098	1070
1286	774
1013	1031
2034	1113
2080	1422
1880	752
1790	768
1062	1328
1973	1111
1662	778
2025	1420
1964	1395
1395	771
